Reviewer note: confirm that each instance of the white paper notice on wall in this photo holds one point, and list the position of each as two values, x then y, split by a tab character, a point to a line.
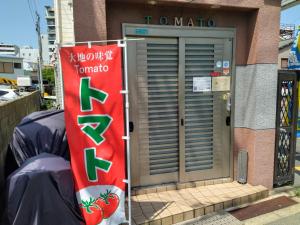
221	83
201	84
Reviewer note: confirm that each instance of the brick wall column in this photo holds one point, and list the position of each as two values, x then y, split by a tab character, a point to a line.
255	96
90	20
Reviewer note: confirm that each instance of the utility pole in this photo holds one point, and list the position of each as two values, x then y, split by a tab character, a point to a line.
40	59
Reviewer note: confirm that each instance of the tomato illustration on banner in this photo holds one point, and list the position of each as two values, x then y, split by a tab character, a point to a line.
95	126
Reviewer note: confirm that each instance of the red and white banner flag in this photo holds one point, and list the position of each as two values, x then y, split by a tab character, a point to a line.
95	126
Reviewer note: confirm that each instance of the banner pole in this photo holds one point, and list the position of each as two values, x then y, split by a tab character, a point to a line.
127	133
60	76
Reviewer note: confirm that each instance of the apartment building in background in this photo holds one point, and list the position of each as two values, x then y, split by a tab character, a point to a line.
50	19
64	23
30	60
9	49
45	50
11	67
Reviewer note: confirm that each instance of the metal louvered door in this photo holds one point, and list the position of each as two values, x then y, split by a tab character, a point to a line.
153	76
204	114
162	71
179	135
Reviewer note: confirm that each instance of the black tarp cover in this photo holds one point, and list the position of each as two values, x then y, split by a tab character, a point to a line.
39	132
41	192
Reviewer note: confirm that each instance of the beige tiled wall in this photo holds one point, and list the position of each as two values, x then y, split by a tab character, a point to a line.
64	21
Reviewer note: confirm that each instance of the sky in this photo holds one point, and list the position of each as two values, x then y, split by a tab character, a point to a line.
17	24
291	16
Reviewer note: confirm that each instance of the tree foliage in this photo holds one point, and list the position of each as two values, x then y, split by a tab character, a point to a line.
48	73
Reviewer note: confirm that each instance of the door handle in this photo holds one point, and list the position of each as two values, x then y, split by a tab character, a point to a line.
182	122
131	126
227	120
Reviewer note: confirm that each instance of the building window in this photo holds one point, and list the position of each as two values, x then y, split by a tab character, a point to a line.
284	63
6	67
17	65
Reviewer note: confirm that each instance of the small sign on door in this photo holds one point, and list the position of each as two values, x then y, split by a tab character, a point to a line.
221	83
201	84
226	64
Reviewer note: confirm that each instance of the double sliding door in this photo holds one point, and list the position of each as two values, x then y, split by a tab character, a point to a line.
180	109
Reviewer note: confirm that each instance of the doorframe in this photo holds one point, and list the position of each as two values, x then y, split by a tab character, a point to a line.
168	31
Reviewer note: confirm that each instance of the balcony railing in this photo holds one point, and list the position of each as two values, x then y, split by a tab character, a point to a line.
51	31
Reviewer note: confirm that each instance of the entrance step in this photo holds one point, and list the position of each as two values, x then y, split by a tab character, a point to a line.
174	206
169	187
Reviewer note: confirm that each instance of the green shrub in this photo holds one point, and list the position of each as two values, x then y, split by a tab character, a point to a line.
297	192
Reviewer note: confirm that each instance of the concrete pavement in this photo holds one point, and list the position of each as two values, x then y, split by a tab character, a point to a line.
286	216
290	220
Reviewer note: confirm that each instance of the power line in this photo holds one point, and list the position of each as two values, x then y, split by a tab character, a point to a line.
30	10
35	5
